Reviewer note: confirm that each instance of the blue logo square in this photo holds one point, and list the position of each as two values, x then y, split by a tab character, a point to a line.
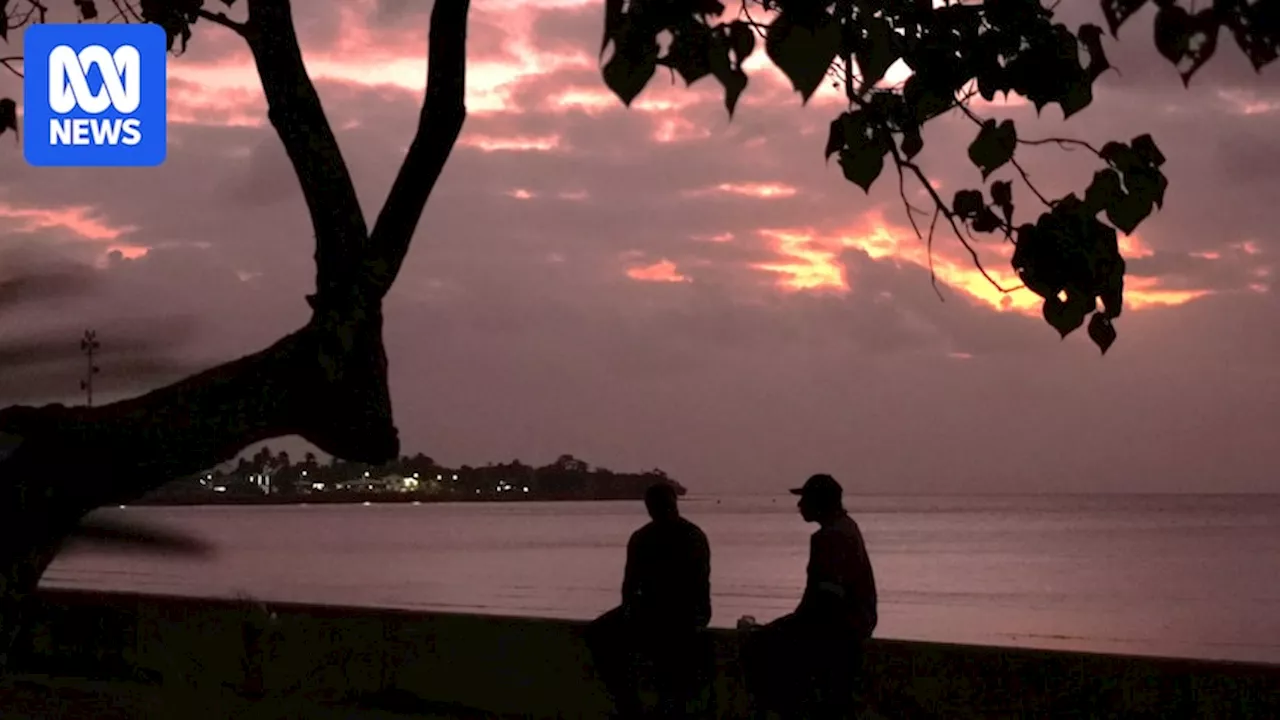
94	95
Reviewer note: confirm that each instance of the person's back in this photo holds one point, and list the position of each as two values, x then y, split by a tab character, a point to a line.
841	588
809	662
666	598
668	574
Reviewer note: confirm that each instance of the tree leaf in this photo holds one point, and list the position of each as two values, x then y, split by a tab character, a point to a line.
1091	37
8	116
1202	41
1112	295
1117	11
1102	332
734	82
877	52
727	72
1173	32
631	67
1128	212
986	221
690	52
835	138
862	164
614	17
1255	30
88	10
742	40
803	53
1002	197
1105	191
1145	147
1078	96
912	144
967	203
923	99
994	146
1065	317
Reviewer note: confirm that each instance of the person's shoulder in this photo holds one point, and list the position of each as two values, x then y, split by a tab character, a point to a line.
845	527
642	532
689	527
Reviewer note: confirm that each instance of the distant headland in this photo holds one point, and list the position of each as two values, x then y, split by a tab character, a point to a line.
270	478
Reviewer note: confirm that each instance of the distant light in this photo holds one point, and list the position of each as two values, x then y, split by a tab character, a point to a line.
366	503
317	486
477	491
415	502
439	477
526	488
304	473
121	507
219	488
455	477
415	476
366	473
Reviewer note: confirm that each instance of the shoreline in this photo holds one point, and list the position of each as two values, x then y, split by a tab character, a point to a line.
508	666
369	499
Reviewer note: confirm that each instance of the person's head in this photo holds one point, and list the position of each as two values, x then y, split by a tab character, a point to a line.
660	501
820	498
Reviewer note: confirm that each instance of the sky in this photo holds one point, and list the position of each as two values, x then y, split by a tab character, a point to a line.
662	286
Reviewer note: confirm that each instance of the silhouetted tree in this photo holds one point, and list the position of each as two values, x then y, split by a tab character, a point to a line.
326	382
956	51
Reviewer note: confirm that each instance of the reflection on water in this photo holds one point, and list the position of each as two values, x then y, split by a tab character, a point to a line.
1193	576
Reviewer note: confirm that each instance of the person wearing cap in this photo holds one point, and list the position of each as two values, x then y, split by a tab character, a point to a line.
666	599
809	660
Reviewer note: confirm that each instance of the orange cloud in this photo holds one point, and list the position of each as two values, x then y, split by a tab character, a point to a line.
83	220
803	266
764	191
677	129
1247	103
662	271
489	143
809	260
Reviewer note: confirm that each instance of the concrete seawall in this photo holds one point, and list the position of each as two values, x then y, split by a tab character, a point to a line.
486	666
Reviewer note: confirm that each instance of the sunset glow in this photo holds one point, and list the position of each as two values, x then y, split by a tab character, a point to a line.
86	222
661	271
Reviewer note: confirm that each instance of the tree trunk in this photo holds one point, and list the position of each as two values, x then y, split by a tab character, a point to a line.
327	382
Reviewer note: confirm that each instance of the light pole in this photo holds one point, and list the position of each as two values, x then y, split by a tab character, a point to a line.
89	346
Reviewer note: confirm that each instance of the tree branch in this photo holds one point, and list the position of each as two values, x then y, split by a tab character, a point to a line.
221	19
295	111
439	124
8	62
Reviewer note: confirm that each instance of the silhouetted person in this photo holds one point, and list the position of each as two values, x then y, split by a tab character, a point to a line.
806	664
666	599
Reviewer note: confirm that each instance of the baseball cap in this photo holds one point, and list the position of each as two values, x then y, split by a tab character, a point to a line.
820	487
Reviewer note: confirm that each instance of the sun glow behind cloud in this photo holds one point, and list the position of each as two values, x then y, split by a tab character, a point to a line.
810	261
84	224
662	271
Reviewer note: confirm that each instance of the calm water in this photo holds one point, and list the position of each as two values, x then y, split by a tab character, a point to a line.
1191	576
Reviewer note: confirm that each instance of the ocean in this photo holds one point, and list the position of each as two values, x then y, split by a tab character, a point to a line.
1190	576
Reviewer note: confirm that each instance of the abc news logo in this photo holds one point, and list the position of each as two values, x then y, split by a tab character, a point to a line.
95	95
69	91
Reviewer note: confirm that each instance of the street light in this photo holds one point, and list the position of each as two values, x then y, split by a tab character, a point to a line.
89	346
